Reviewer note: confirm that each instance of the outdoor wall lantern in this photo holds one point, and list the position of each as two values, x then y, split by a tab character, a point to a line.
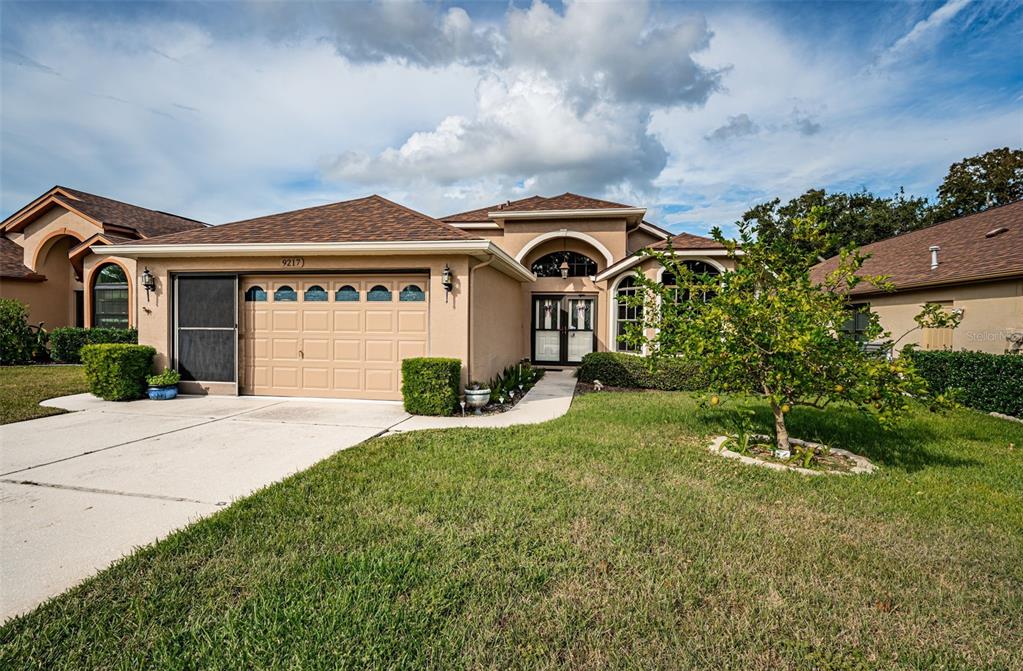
446	281
564	269
148	282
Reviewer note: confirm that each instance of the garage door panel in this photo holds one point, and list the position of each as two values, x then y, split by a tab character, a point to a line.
381	379
324	336
380	351
347	321
315	350
408	349
348	350
285	348
286	320
412	321
348	379
284	378
379	321
316	320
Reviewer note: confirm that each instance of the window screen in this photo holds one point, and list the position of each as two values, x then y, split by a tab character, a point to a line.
206	334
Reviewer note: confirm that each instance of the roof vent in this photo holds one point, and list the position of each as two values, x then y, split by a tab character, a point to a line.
996	231
934	256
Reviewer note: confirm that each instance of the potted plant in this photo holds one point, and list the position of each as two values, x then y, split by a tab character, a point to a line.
164	386
477	396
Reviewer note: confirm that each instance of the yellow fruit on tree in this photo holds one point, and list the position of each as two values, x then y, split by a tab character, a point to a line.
714	400
839	389
786	408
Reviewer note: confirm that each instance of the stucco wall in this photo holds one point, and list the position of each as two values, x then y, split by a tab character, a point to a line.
990	312
36	295
448	319
610	233
497	310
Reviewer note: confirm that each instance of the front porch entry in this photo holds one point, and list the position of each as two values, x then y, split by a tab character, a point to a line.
563	328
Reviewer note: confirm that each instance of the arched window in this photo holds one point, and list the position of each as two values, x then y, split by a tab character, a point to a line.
379	293
315	293
110	297
347	294
255	294
697	268
579	265
285	294
411	294
627	314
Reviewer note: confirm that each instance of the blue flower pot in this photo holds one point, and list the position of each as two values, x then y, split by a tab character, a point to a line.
163	393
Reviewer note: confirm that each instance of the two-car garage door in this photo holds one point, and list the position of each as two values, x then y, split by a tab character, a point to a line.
339	336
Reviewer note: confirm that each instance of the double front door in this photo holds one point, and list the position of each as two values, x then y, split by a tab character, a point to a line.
563	328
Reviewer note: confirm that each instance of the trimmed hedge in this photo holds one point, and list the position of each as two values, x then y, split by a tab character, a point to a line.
117	371
16	339
66	342
615	369
429	385
988	382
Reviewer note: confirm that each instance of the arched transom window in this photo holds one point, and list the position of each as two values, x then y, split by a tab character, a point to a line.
110	297
579	265
697	268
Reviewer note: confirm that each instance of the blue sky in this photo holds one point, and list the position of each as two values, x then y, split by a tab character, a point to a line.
221	111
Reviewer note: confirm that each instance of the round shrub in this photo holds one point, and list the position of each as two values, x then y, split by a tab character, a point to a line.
116	371
429	385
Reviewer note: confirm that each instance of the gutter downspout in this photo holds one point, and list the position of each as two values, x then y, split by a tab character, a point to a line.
468	349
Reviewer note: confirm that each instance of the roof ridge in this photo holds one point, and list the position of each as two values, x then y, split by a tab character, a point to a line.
122	202
942	223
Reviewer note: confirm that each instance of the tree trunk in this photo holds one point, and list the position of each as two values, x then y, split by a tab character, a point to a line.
781	434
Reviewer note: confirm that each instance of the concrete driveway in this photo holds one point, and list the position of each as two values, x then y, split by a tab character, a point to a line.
80	490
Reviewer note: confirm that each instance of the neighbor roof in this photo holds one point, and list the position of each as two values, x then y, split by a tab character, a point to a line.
109	212
972	248
370	219
11	262
566	201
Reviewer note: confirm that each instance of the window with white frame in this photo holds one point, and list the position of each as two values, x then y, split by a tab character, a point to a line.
626	314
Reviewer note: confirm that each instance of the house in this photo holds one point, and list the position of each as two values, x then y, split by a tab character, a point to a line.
327	301
973	264
47	257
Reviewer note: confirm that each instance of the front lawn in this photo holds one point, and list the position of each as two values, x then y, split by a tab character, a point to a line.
607	538
23	387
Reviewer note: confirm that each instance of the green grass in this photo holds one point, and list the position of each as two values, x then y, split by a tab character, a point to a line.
23	387
609	538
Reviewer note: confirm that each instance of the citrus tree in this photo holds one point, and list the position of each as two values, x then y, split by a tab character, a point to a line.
767	328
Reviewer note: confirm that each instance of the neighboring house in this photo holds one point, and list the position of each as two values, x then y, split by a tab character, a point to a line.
51	257
328	300
973	264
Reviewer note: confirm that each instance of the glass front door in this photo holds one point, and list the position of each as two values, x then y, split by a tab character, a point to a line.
563	328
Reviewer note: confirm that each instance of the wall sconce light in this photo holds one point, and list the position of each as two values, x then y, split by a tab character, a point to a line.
564	269
446	281
148	282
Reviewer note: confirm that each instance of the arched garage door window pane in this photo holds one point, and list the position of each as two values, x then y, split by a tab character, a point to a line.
379	293
411	293
110	298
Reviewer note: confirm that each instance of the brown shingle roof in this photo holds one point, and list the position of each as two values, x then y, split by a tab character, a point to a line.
566	201
967	252
148	223
11	262
370	219
688	241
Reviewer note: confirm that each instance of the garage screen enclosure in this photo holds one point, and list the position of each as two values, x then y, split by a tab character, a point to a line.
206	327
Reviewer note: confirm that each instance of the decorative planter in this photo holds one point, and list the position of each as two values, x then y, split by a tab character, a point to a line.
477	398
163	393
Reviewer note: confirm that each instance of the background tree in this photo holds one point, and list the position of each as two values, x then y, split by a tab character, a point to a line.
979	182
768	329
848	218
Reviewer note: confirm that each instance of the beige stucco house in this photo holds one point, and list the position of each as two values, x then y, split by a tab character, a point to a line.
973	264
327	301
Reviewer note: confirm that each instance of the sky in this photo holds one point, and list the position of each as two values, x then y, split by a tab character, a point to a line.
222	111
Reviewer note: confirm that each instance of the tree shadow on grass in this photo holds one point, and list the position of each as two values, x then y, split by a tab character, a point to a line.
911	445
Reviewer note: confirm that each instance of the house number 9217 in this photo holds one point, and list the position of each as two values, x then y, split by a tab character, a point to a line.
292	261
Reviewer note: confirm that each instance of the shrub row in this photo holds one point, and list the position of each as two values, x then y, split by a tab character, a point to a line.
615	369
429	385
988	382
66	342
117	371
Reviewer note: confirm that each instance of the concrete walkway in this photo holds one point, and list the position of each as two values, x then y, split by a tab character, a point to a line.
80	490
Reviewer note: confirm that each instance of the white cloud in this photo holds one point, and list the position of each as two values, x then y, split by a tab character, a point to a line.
922	32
